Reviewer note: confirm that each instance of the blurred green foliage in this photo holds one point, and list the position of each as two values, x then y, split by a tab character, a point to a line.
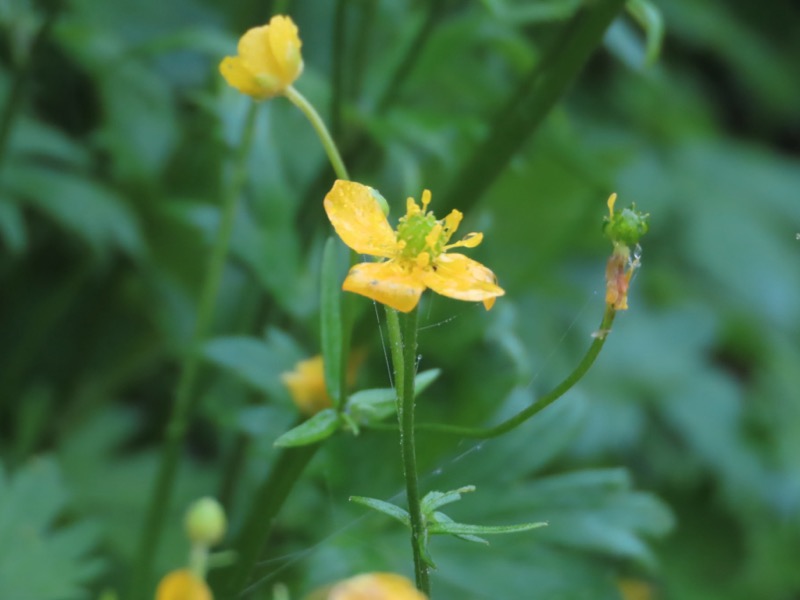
118	151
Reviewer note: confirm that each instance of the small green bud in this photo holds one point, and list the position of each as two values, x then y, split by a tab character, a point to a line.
205	522
625	227
380	200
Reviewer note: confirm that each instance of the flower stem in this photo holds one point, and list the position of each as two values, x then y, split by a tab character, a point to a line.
185	401
404	357
586	362
319	126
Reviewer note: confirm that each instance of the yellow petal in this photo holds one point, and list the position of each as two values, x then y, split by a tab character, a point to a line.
256	53
457	276
285	45
306	385
468	241
387	283
236	74
182	585
358	219
375	586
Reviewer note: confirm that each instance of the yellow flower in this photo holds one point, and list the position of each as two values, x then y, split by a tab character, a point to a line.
372	586
306	385
269	60
634	589
183	585
417	252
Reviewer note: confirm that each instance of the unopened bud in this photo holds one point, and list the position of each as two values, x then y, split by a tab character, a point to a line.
205	522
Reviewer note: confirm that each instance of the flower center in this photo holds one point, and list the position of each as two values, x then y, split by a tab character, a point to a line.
422	238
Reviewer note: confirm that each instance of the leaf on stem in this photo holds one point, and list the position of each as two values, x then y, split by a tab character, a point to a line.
317	428
386	508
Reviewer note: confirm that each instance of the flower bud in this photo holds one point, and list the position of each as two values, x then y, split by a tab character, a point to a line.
205	522
625	227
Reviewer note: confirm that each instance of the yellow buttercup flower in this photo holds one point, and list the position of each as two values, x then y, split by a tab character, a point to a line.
183	585
269	60
372	586
417	253
306	385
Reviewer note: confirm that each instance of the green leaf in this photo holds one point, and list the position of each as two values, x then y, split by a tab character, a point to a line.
649	18
94	213
434	500
386	508
448	526
38	559
443	518
257	362
331	318
378	403
317	428
12	227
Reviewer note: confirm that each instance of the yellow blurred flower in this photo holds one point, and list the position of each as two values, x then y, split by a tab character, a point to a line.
183	585
417	252
635	589
269	60
306	385
372	586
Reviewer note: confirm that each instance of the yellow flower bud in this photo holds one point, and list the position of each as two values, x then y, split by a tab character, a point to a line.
183	585
268	60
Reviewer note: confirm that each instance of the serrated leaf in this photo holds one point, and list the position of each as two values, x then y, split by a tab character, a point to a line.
434	500
386	508
315	429
29	507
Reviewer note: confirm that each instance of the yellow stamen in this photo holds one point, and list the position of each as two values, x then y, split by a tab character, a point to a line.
426	199
611	201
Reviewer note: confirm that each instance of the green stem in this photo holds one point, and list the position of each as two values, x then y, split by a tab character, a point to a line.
562	388
256	528
185	401
404	358
319	126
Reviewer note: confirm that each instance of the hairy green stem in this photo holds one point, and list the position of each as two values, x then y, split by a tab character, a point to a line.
311	114
404	357
562	388
185	400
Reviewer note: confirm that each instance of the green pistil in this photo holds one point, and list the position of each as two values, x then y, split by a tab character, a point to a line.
413	230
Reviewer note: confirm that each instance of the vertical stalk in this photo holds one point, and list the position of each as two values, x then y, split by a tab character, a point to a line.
185	401
311	114
404	357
